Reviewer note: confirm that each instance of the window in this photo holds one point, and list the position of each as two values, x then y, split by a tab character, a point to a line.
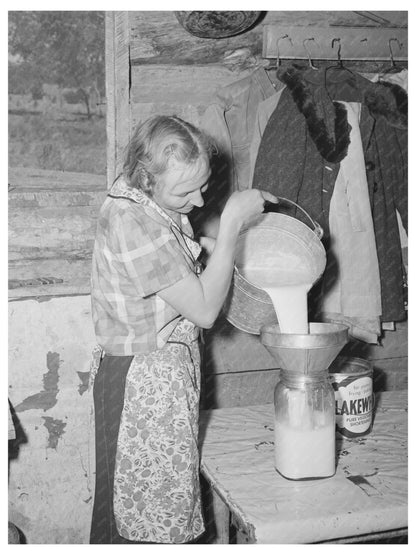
56	91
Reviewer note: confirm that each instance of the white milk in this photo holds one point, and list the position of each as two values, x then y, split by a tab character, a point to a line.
291	305
304	453
289	294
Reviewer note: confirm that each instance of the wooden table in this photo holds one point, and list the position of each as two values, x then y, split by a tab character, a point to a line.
366	499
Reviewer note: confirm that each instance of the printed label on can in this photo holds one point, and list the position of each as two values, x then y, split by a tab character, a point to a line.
353	404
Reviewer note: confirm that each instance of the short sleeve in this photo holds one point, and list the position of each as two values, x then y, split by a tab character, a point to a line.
148	251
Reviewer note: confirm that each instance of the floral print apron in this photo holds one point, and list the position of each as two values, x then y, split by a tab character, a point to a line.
156	482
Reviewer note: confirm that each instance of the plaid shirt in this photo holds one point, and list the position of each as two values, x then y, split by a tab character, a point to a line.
138	251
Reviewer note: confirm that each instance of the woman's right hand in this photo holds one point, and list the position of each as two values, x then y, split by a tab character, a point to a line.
243	206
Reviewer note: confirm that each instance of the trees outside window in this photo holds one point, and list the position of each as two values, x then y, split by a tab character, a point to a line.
56	90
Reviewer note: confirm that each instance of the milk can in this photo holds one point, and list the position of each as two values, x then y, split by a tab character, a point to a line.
304	426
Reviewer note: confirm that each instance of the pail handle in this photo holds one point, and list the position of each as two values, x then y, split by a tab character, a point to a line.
317	229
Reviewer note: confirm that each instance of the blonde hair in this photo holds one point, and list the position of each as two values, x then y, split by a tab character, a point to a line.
157	139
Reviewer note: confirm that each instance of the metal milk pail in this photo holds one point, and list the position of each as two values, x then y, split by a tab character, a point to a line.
352	380
277	242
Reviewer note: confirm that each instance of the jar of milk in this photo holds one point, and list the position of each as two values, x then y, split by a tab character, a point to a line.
304	426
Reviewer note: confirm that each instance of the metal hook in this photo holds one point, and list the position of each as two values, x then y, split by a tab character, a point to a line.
393	63
339	49
309	54
277	48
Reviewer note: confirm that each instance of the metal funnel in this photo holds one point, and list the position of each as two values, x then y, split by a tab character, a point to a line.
305	353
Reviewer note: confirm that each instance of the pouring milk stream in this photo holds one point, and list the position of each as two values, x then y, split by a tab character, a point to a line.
288	292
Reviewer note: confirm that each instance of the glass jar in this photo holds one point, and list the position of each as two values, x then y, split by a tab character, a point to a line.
304	426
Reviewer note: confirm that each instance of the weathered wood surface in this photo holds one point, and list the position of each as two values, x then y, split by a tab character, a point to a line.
22	180
52	213
37	230
157	37
355	43
52	221
117	49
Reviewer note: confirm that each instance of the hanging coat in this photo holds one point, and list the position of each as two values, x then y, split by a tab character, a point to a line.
306	138
230	121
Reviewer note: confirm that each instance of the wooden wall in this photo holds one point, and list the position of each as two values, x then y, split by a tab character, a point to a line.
154	66
52	219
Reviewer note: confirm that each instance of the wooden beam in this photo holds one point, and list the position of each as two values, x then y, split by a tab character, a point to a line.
356	43
36	180
117	52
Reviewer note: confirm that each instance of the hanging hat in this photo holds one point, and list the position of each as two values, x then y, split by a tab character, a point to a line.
216	25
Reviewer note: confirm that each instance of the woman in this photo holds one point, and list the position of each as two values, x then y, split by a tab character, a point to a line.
149	299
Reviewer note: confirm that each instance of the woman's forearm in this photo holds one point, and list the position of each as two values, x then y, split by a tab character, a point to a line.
200	299
216	278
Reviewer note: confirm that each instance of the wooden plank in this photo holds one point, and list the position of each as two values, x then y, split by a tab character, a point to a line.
60	268
46	292
33	188
110	93
70	227
58	199
117	89
357	43
36	180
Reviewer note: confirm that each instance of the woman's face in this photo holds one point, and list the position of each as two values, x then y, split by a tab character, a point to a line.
180	187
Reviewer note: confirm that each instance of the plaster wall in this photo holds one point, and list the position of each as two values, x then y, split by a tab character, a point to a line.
51	464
